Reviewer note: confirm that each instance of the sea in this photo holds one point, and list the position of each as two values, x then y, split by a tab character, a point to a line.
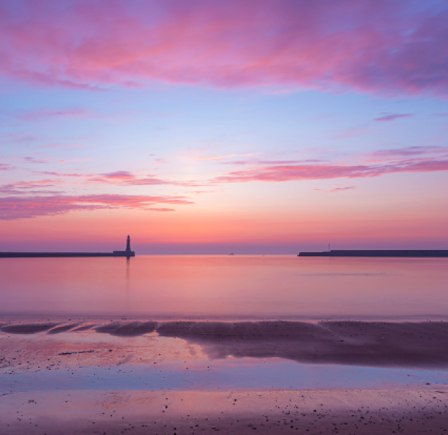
226	287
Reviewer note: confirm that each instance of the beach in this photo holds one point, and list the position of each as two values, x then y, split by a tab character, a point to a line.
97	376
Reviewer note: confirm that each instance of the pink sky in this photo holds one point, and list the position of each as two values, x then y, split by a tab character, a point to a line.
209	126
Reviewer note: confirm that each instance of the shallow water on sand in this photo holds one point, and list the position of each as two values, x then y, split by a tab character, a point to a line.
226	287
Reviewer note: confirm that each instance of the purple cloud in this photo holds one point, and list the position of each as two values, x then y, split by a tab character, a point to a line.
14	207
325	44
393	117
336	189
411	151
51	113
30	159
329	171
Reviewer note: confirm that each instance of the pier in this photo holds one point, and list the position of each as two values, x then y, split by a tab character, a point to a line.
406	253
126	253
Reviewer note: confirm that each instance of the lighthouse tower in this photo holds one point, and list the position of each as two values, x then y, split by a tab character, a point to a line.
127	253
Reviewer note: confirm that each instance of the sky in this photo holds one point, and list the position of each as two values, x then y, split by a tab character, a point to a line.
218	126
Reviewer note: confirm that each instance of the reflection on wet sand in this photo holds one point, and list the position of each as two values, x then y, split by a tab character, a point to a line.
406	344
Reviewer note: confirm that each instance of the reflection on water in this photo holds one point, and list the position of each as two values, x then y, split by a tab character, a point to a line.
91	361
243	374
227	287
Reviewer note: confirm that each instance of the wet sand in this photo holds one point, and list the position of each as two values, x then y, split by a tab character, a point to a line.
403	344
241	412
86	350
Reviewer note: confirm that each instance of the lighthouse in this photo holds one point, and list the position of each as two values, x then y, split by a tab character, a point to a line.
127	253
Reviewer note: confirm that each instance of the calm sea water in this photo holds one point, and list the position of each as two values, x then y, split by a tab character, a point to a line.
226	287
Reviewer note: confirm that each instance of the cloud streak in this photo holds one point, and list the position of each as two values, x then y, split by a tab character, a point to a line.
282	173
30	159
336	189
122	178
126	178
34	115
412	151
255	43
393	117
14	207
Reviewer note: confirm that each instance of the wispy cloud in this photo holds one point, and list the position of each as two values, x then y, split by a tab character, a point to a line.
62	174
19	207
29	187
126	178
119	175
393	117
271	162
121	178
336	189
217	157
9	138
30	159
32	184
5	167
326	44
33	115
283	173
412	151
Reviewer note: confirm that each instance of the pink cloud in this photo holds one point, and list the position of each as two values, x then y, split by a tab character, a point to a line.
122	178
162	209
292	44
119	175
5	167
8	138
28	187
30	159
125	178
51	113
14	207
336	189
61	174
421	153
270	162
393	117
328	171
33	184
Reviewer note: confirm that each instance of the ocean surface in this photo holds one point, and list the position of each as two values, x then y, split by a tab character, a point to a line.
226	287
